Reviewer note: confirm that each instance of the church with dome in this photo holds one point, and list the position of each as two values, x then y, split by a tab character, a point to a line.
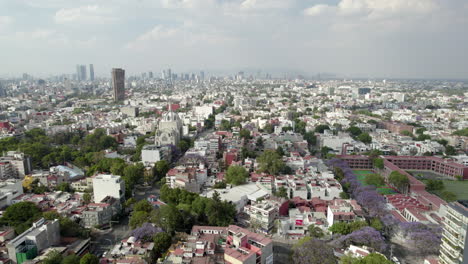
169	130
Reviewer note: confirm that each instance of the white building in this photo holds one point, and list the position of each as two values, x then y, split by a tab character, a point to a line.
108	185
150	154
454	248
9	190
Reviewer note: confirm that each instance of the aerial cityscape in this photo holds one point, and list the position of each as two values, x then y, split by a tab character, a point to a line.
185	145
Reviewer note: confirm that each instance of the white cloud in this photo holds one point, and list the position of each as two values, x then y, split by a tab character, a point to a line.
265	4
187	35
318	10
5	21
90	14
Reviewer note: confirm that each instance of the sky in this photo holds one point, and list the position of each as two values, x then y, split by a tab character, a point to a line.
353	38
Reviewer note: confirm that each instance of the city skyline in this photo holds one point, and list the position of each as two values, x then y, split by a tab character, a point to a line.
363	38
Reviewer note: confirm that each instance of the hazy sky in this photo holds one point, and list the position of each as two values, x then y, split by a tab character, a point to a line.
367	38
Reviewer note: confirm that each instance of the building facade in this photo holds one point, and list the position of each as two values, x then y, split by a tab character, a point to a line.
118	84
454	249
108	185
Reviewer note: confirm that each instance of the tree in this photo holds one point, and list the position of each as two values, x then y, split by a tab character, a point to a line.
259	142
270	162
86	198
374	179
268	128
145	232
245	134
340	228
315	231
310	138
434	185
54	257
378	163
400	181
220	185
354	131
344	195
138	218
366	236
183	145
225	125
365	138
143	205
313	252
162	241
282	192
71	259
168	218
64	187
89	259
280	151
160	169
236	175
21	216
376	224
321	128
450	150
51	215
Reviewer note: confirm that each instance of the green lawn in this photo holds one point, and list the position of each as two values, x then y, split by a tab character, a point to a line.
459	188
361	176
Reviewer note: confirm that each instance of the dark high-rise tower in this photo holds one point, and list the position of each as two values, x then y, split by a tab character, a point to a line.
118	84
91	72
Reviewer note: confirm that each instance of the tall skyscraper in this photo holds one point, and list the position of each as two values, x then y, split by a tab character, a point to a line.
91	72
150	75
202	75
81	72
118	84
2	90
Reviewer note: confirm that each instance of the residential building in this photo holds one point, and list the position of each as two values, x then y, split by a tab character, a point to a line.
454	247
263	215
14	165
150	154
340	210
108	185
42	235
9	190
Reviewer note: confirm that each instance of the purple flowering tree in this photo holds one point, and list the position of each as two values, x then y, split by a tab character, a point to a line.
146	232
425	238
366	236
313	252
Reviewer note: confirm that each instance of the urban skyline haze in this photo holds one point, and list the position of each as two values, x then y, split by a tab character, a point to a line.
352	38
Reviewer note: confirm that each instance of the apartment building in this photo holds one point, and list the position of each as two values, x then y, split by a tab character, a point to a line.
108	185
454	249
340	210
42	235
263	215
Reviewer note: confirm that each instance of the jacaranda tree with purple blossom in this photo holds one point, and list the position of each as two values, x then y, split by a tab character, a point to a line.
425	238
146	232
313	252
366	236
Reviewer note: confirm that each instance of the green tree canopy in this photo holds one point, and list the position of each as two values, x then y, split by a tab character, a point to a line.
365	138
270	162
89	259
71	259
400	181
236	175
21	216
374	179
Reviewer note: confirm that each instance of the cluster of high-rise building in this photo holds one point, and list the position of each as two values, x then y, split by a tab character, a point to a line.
82	74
